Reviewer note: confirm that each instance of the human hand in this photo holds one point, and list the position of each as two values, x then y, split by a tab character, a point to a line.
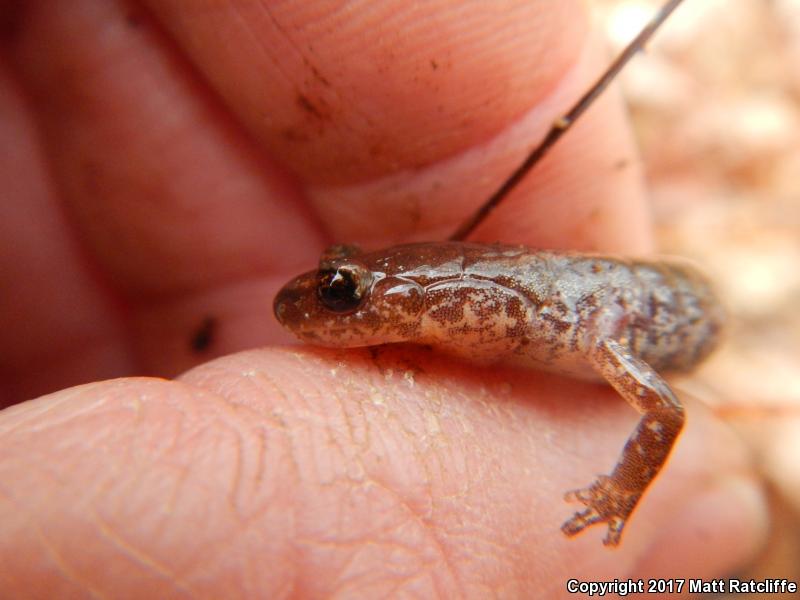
196	161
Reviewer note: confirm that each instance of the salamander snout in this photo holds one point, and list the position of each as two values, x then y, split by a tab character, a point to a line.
289	304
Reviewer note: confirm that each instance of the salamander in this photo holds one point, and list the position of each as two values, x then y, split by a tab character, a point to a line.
585	316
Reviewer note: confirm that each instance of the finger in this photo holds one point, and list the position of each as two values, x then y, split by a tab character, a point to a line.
179	217
179	184
278	470
402	120
51	301
348	94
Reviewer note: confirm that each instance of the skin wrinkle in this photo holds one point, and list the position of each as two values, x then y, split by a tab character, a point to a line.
259	477
371	477
340	394
421	525
136	555
62	563
50	550
308	420
236	477
262	380
494	549
290	454
218	552
234	424
241	478
392	590
221	546
358	578
332	429
358	424
178	487
75	415
275	421
360	582
364	116
17	509
246	22
421	453
305	57
21	416
377	530
173	444
140	423
373	413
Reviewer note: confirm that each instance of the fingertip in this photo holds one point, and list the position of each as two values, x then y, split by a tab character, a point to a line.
311	459
128	487
345	95
587	194
719	529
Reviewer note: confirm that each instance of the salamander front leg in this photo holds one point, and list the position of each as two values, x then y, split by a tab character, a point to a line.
612	498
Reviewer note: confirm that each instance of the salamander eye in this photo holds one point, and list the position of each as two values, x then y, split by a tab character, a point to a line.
344	288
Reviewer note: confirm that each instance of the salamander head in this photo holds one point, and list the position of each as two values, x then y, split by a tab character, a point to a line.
350	300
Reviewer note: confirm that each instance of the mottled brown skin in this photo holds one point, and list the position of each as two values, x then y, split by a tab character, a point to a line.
582	315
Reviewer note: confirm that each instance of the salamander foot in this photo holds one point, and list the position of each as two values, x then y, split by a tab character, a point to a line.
606	502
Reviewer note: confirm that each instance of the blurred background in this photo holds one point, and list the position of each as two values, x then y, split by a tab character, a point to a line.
716	108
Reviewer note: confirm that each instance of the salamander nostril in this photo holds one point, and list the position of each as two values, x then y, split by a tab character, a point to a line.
291	302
